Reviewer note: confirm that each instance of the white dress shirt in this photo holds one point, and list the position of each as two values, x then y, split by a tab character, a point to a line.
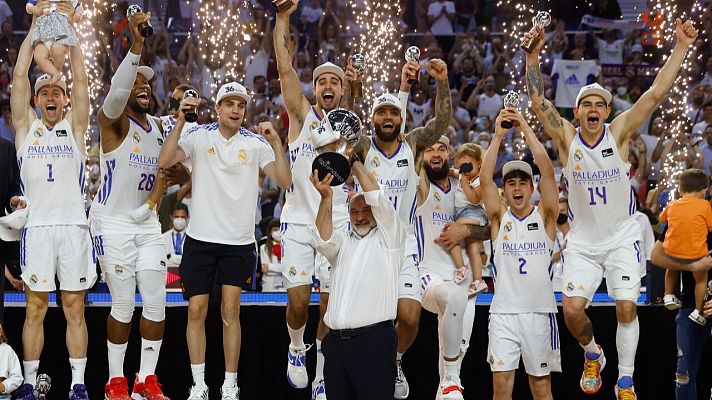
364	274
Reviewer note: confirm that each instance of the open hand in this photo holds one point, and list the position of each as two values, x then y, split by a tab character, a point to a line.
322	186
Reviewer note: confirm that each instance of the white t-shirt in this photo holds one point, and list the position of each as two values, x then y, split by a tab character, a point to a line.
489	106
442	25
225	183
460	196
311	15
255	65
419	112
570	76
610	53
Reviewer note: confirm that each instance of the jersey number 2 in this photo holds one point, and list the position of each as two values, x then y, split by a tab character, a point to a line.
522	263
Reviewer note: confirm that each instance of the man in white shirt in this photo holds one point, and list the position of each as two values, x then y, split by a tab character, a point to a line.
699	127
441	13
256	54
489	103
360	348
420	109
174	238
221	241
610	49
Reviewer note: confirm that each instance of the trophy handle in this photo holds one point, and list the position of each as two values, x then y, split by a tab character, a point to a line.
413	79
356	89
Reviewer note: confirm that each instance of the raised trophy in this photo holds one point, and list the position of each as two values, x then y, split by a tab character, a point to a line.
145	28
334	139
282	5
44	383
359	63
511	100
541	20
413	54
192	114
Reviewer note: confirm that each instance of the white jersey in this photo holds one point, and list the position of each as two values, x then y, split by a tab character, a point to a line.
601	200
302	199
128	175
522	266
460	196
52	176
397	177
430	218
168	122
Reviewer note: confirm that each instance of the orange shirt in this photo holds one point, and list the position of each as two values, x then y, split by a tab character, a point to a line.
653	33
689	219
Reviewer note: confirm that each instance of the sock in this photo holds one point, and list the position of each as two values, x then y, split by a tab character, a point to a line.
451	367
399	356
230	379
319	362
591	347
78	366
627	343
149	358
30	368
116	358
297	337
198	371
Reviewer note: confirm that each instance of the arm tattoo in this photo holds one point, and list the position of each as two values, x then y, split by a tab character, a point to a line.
554	118
428	135
536	85
286	44
478	232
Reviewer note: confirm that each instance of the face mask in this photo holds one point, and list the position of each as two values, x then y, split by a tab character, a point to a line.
622	90
276	236
562	219
180	223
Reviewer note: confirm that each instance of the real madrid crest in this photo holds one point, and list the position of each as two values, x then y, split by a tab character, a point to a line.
578	155
38	132
437	196
136	137
118	269
375	162
242	155
508	226
314	125
292	271
33	279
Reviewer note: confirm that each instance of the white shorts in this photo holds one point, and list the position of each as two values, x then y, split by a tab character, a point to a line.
430	280
409	280
121	256
299	259
584	269
61	250
533	337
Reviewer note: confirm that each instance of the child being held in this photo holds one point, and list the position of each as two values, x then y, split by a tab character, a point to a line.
10	372
468	160
52	35
689	220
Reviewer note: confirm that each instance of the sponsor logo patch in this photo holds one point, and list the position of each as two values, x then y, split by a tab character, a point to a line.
607	152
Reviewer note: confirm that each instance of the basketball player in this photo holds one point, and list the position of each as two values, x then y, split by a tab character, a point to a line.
395	165
55	241
441	295
130	251
604	236
522	323
220	240
299	258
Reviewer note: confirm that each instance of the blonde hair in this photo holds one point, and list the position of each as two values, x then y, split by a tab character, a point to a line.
471	150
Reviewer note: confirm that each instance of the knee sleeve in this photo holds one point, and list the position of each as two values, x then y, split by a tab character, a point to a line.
122	311
151	285
123	300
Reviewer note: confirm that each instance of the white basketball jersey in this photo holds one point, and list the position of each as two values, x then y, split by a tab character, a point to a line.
430	218
128	174
52	176
302	199
522	266
601	200
168	122
397	177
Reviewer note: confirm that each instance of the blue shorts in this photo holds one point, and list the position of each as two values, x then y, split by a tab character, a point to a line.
474	212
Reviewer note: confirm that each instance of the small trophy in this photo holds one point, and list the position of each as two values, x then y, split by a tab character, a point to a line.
145	28
359	63
342	128
44	383
511	100
192	114
540	21
413	54
282	5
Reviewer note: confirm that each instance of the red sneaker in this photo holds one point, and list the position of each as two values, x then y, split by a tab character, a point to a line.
117	389
148	390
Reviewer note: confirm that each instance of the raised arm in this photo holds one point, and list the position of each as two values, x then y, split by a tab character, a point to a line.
171	153
628	123
21	94
79	117
324	224
490	194
384	213
279	171
296	104
422	138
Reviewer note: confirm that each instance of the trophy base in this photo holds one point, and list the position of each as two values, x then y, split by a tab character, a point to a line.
282	5
332	163
506	124
191	116
146	30
413	80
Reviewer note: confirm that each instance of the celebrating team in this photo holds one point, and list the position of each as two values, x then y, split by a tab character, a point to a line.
140	155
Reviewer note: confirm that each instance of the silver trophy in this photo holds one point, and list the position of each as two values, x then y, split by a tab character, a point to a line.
145	28
541	20
413	54
192	114
44	383
335	139
511	100
359	63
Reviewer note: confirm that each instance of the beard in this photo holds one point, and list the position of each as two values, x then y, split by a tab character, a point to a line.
363	230
387	137
436	174
135	107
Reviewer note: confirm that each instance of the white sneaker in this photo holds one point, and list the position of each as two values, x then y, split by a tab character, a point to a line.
476	287
402	390
697	318
297	367
198	392
672	302
461	274
230	392
318	390
450	388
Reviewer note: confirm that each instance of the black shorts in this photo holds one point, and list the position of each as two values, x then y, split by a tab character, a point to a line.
206	263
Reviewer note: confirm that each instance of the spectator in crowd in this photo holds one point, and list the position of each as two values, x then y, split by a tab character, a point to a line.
7	130
610	48
420	108
441	14
257	54
10	370
270	258
608	9
174	238
700	126
489	103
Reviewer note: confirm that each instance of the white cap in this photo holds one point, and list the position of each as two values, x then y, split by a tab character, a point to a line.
386	99
147	72
43	81
232	89
328	67
517	165
636	48
596	89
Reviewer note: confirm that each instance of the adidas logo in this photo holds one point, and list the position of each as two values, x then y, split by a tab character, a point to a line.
149	348
572	80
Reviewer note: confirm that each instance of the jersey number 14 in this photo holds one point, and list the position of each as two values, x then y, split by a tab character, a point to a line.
597	195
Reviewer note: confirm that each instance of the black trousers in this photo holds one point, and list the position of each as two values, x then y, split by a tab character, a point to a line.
361	367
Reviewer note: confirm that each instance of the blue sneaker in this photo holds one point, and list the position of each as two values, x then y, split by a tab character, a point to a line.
25	392
78	392
625	389
297	367
318	390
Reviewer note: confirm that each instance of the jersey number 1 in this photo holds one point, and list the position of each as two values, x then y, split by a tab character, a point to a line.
50	178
